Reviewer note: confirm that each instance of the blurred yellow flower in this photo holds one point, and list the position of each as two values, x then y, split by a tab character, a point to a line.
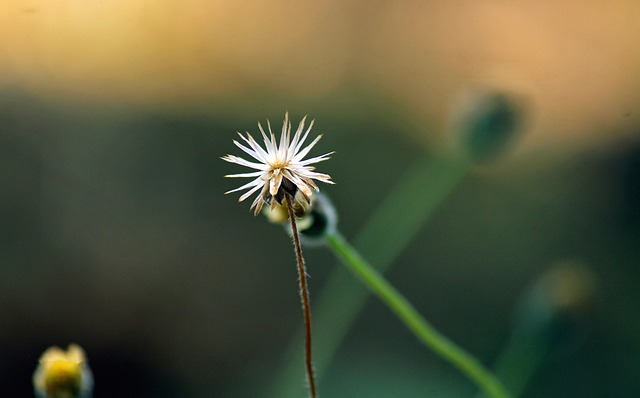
63	374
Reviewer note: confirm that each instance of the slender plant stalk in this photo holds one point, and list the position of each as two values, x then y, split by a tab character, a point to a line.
424	331
525	351
521	358
304	296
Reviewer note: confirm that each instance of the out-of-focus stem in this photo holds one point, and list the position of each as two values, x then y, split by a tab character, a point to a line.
424	331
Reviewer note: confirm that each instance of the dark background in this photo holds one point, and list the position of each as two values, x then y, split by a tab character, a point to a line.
115	233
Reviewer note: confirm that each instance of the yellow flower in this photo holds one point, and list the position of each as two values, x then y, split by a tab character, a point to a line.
63	374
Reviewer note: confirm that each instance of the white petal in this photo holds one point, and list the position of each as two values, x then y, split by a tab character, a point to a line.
250	184
273	150
299	182
243	162
319	176
267	142
304	188
316	159
270	141
251	152
307	172
306	134
284	137
274	184
261	154
252	174
292	146
258	148
259	201
249	193
306	150
274	146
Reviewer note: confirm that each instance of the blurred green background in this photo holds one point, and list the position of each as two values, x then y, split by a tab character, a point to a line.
115	233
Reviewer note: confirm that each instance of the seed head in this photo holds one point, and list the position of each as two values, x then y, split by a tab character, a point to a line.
280	168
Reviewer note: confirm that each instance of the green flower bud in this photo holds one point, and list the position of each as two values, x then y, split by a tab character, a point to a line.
566	289
315	220
487	123
322	220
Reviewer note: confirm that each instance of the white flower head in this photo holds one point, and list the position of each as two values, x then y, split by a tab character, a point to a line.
281	168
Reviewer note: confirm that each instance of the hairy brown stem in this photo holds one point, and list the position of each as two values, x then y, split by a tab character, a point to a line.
304	296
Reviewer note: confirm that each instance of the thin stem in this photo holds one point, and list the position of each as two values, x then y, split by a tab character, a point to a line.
304	296
424	331
521	358
526	349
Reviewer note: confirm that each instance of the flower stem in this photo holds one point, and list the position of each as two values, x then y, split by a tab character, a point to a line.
424	331
304	296
521	357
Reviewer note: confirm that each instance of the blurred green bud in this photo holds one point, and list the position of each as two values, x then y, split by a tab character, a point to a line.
63	374
315	220
566	289
487	122
322	220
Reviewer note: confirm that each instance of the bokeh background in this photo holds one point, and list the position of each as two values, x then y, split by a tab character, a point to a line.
115	233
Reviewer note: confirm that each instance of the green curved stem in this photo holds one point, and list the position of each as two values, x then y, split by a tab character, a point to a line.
424	331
